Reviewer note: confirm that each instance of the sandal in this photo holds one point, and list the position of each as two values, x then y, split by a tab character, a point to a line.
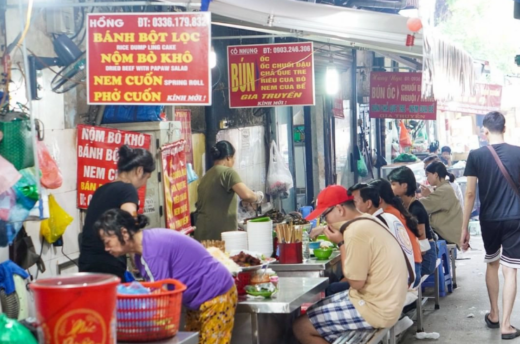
511	335
491	324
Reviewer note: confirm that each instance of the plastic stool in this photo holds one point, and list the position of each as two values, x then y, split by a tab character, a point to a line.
444	271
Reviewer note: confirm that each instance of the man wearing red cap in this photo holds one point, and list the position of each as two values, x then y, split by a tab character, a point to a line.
373	264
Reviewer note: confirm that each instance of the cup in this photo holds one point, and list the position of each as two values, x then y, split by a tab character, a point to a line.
290	253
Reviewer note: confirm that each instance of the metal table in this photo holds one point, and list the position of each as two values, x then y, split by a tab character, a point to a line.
311	267
180	338
275	316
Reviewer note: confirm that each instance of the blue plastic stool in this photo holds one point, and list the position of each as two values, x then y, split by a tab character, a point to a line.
444	271
305	211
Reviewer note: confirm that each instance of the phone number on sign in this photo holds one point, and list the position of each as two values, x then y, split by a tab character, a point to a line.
173	22
292	49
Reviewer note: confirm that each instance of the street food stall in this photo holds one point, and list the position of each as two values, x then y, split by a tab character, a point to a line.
271	319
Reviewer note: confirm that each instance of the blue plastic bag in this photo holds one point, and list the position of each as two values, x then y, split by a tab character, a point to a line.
131	113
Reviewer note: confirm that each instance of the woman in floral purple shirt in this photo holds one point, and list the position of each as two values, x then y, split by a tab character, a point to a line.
211	295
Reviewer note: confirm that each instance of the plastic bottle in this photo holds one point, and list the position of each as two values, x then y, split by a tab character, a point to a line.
305	245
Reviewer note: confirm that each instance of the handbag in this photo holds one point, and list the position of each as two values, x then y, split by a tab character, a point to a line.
503	170
16	144
23	253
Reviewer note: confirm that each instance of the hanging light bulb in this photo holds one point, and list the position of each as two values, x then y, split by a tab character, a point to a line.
212	58
332	80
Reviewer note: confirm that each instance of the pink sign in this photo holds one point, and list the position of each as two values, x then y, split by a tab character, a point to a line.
398	95
487	98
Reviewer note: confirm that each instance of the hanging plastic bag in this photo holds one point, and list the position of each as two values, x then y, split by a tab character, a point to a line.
16	144
8	175
192	175
27	195
7	202
51	176
7	233
405	140
54	227
41	208
26	189
279	178
12	332
362	167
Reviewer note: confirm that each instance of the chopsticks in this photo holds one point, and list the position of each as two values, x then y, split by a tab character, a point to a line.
288	233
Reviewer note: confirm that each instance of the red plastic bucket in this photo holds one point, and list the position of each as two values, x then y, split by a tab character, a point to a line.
79	308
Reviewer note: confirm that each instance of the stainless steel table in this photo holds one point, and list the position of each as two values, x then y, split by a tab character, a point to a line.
180	338
275	316
311	267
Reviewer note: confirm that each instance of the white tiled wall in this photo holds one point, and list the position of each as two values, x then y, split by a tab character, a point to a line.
61	142
250	161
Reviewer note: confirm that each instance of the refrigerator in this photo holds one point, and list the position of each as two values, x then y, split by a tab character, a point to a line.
161	133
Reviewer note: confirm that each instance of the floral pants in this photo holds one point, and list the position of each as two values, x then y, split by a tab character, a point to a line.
215	319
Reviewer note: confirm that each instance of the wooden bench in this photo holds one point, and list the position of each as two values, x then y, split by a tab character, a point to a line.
388	335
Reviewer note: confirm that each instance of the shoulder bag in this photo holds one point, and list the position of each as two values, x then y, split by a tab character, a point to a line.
411	270
503	170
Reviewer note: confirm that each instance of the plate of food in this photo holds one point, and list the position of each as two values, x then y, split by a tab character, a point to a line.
248	260
265	290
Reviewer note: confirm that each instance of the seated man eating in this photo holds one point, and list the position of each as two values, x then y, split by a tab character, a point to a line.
373	264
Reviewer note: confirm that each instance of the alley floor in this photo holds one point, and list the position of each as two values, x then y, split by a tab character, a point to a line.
454	321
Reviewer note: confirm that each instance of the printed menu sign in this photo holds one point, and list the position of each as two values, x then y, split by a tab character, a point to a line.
184	116
143	58
176	186
268	75
398	95
97	159
487	98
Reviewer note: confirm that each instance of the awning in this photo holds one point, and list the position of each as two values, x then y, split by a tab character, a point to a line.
448	71
355	28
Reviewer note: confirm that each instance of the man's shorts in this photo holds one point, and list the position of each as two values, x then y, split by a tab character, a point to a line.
505	235
336	315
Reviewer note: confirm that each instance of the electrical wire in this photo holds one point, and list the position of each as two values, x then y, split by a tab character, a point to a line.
27	23
219	76
65	255
41	252
81	25
83	37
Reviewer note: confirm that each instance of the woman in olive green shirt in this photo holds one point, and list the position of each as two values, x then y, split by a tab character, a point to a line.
217	202
442	204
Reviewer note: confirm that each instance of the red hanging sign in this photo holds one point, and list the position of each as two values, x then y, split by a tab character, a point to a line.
267	75
144	59
398	95
97	159
184	116
337	109
176	186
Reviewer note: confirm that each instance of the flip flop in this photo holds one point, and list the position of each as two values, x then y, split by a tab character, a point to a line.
491	324
511	335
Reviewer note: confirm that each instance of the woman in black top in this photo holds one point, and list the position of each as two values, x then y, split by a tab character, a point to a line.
134	169
404	185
